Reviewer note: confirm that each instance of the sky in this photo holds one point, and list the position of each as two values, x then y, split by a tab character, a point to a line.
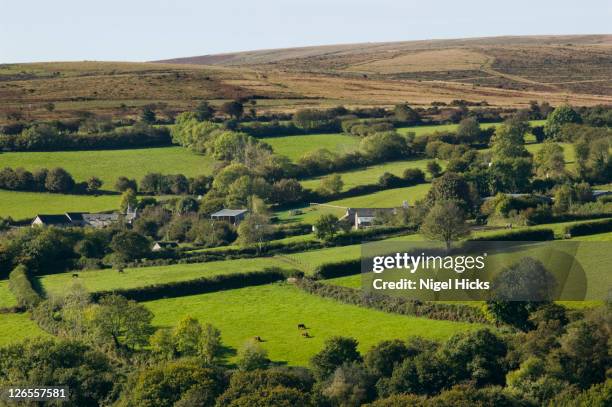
144	30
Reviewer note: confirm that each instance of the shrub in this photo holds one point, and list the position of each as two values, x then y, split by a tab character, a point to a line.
413	176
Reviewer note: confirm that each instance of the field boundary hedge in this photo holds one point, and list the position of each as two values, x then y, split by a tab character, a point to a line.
134	137
21	287
402	306
589	228
518	236
201	285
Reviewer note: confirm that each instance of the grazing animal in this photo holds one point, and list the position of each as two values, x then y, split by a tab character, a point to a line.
258	339
75	275
301	326
120	271
306	335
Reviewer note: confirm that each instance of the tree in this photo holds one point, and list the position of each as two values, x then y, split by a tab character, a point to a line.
123	184
147	115
234	109
252	356
255	229
510	175
187	335
413	176
509	140
469	130
326	226
350	385
210	345
385	146
186	205
550	161
477	355
446	222
336	351
331	185
453	187
119	321
59	180
129	200
406	114
583	356
287	191
174	384
162	343
129	245
382	357
204	111
89	372
93	185
562	115
434	169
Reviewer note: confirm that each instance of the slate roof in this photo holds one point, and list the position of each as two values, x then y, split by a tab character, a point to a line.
167	245
229	212
54	219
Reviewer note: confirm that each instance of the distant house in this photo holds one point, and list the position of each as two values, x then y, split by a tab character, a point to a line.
52	220
159	246
362	218
233	216
81	219
600	192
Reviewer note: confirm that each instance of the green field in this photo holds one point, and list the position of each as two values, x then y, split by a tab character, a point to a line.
17	327
7	299
273	312
108	165
420	130
109	279
388	198
24	205
295	147
370	175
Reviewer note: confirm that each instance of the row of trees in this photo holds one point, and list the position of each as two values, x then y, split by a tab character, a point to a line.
56	180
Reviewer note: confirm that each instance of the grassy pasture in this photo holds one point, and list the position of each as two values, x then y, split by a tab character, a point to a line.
295	147
7	299
371	174
109	279
273	312
17	327
23	205
388	198
108	165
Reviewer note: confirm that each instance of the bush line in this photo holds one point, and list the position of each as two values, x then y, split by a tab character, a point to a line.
402	306
201	285
518	236
589	228
22	289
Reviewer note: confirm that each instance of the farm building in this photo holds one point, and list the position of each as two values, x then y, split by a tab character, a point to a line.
362	218
600	192
233	216
159	246
81	219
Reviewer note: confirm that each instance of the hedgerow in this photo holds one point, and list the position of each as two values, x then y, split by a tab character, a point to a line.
589	228
22	289
201	285
396	305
